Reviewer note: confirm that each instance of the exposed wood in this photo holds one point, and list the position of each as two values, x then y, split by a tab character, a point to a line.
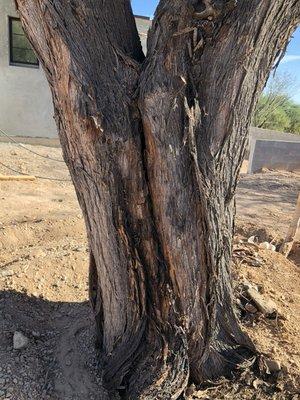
17	178
294	229
154	146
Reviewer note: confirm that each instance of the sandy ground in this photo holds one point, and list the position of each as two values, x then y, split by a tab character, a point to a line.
43	282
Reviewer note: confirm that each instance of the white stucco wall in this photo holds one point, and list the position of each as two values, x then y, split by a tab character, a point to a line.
25	100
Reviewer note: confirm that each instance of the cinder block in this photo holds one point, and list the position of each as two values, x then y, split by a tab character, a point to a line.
273	154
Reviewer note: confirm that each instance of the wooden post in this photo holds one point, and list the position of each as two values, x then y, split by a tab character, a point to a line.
288	244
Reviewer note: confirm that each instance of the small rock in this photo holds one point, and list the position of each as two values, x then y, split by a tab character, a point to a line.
257	382
266	306
273	365
250	308
267	246
252	239
19	341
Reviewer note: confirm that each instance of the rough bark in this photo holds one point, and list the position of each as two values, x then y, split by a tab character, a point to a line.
154	146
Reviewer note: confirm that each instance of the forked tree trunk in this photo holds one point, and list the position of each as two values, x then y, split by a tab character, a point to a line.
154	146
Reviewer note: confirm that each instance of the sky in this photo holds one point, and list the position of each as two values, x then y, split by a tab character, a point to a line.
290	64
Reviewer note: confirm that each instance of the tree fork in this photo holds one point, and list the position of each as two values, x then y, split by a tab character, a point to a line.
154	146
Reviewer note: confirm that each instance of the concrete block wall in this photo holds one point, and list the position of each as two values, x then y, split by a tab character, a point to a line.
274	154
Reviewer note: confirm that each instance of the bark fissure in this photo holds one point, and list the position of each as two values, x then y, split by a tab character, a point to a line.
154	146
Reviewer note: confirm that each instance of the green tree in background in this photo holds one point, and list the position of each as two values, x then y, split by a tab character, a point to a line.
275	109
292	110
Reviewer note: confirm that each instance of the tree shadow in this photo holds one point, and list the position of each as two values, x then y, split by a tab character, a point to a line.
60	362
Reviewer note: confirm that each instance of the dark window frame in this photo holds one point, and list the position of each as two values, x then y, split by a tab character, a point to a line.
11	47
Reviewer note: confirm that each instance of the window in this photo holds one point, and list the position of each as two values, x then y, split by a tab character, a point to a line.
20	50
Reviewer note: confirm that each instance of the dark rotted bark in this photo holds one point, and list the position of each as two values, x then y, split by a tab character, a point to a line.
154	146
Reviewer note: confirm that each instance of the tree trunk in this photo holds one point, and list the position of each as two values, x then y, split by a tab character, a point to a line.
154	146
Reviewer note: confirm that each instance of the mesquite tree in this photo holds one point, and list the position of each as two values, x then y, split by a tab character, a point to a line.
154	145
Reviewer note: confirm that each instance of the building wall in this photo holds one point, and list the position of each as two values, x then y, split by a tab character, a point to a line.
143	25
274	154
25	101
273	150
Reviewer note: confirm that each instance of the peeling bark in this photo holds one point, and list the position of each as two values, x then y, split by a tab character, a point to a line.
154	146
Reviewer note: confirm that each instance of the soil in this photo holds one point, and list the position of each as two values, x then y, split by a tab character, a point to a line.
44	294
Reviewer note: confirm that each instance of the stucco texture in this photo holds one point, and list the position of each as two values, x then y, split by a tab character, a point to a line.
25	100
